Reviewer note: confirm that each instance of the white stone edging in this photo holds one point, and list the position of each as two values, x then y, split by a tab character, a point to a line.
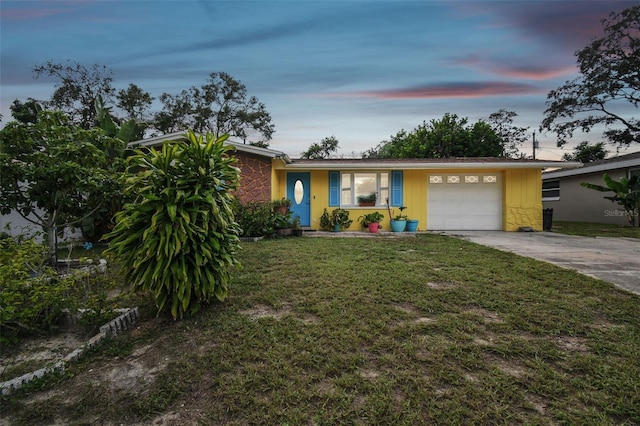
112	328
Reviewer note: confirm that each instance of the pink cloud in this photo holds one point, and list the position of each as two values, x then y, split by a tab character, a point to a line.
524	70
532	73
26	14
447	90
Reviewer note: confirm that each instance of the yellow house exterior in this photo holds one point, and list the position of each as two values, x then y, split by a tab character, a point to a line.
442	194
518	189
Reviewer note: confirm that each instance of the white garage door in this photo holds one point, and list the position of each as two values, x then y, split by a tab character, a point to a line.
464	202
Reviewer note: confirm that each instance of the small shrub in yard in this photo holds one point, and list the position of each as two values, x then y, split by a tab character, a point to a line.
28	305
178	238
255	219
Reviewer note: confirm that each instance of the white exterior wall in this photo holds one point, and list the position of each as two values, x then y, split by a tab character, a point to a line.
14	225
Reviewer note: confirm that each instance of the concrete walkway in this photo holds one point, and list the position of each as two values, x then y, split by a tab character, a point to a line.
616	260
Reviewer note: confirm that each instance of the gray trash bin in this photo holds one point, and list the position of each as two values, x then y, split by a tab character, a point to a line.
547	219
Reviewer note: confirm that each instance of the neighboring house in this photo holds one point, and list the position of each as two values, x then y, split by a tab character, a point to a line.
562	192
443	194
15	225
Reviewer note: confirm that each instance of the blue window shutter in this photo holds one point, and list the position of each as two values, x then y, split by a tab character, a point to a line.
396	188
334	189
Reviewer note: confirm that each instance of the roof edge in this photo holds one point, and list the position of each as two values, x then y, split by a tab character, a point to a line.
635	162
435	165
240	146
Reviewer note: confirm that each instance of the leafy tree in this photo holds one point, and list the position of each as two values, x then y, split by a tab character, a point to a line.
586	153
609	78
324	149
219	106
135	102
448	137
100	221
626	194
512	136
77	89
25	112
178	238
125	130
53	173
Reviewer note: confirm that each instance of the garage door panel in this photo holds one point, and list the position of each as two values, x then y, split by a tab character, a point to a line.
470	204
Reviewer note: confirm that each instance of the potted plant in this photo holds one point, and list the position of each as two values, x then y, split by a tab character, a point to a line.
399	221
412	225
295	227
367	200
281	206
371	221
336	220
282	223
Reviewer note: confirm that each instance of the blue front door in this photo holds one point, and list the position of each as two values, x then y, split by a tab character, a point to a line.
299	192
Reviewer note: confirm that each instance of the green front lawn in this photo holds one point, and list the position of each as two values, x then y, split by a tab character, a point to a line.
387	331
595	229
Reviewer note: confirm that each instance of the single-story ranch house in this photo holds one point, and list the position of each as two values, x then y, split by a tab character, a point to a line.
562	192
443	194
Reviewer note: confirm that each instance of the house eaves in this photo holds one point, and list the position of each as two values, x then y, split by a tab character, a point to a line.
426	164
621	162
240	146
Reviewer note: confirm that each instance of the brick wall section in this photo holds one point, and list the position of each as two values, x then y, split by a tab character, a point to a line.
255	177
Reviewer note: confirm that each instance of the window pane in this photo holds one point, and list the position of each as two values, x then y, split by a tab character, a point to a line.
346	181
364	183
384	194
345	197
384	180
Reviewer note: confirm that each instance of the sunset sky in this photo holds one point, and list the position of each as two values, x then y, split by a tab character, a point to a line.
357	70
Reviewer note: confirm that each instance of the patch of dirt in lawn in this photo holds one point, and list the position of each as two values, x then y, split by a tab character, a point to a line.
507	366
440	285
38	352
486	315
572	344
113	384
264	311
410	310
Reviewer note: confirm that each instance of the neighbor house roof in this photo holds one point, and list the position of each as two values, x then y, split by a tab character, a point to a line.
240	146
428	163
618	162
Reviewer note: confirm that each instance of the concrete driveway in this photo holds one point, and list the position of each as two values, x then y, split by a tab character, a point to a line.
616	260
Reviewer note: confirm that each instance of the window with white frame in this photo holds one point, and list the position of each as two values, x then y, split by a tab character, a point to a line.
360	184
551	190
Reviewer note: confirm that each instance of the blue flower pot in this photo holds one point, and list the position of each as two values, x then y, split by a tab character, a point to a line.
398	225
412	225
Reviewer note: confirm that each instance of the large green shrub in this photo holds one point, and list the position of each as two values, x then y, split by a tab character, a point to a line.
32	296
178	238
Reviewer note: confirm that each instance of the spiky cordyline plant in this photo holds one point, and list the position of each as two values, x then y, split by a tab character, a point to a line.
178	239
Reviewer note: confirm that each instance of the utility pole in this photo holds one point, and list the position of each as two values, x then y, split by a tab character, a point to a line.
535	145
